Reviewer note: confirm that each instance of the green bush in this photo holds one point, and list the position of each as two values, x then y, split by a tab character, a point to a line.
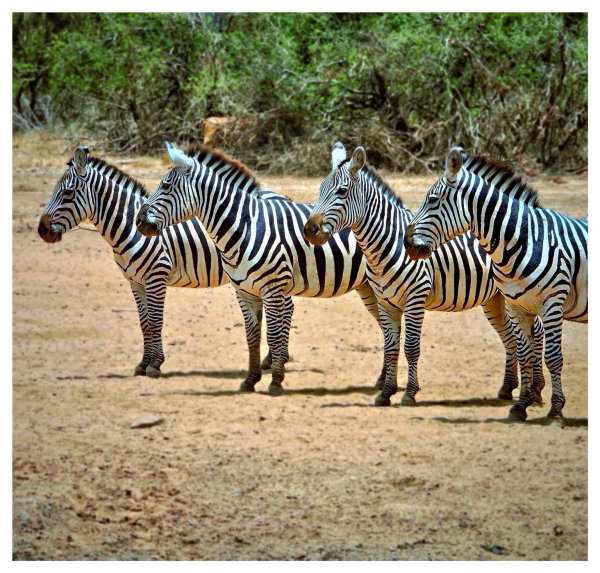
405	86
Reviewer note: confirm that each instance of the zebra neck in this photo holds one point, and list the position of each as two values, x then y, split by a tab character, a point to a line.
114	212
228	213
380	230
496	219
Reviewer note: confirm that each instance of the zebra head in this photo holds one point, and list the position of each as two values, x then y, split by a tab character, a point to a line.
173	201
70	203
441	216
340	200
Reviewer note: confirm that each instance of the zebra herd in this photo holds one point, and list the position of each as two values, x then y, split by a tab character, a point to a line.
480	238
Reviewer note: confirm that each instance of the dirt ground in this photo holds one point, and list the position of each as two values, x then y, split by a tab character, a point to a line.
317	474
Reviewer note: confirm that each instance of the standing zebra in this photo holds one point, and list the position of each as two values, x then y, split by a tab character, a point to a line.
457	278
264	253
540	258
184	256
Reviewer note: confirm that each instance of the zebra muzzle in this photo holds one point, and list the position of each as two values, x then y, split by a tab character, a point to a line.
46	232
415	250
147	228
313	231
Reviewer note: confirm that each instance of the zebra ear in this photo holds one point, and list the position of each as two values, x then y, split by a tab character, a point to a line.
359	158
463	153
338	154
80	159
454	162
179	158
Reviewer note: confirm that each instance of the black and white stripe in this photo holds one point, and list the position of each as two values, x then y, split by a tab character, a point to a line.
183	256
540	256
264	252
457	278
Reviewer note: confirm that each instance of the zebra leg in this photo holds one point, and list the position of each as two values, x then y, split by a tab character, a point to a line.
370	301
287	321
413	322
538	371
553	321
523	322
139	293
252	308
495	311
156	290
274	305
390	324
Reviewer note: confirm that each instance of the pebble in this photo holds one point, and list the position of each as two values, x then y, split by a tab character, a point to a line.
147	422
25	517
497	549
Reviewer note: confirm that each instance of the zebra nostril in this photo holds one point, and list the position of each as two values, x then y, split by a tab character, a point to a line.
311	228
142	213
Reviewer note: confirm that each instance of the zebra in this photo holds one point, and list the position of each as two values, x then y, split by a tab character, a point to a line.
540	257
184	256
458	278
264	253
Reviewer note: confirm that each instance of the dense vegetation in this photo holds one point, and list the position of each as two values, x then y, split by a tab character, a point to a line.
405	86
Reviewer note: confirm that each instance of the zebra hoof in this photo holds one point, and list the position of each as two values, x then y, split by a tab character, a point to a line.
276	390
152	372
408	401
139	370
505	394
555	413
381	400
245	387
517	415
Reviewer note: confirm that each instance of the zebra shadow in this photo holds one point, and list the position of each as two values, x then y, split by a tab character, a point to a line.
466	403
456	403
224	374
543	421
368	390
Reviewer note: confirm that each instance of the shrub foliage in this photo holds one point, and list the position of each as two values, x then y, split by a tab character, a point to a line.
405	86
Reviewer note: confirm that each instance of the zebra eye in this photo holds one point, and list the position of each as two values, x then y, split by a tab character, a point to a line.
433	198
68	192
341	190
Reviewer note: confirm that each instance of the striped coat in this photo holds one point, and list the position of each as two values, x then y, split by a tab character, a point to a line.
265	254
457	278
183	256
540	257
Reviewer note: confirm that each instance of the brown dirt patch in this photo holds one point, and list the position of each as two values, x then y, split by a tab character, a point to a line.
317	474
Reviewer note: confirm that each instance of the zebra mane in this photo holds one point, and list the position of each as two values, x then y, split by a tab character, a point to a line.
488	168
219	159
383	186
120	177
380	183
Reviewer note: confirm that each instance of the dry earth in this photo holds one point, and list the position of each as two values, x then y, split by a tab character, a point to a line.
316	474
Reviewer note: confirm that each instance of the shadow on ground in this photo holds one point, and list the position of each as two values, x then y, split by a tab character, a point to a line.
543	421
369	390
223	374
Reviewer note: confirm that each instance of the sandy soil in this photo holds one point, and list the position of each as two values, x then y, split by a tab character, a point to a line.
316	474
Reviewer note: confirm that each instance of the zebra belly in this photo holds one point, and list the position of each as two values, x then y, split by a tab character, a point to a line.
576	305
325	277
461	278
196	261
